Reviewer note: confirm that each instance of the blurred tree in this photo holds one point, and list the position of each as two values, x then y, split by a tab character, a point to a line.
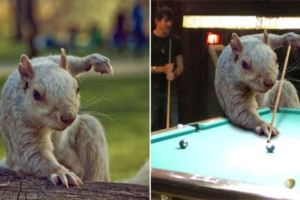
17	8
32	26
26	26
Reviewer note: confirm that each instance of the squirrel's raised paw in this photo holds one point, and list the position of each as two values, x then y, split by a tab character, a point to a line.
263	129
99	62
66	178
293	39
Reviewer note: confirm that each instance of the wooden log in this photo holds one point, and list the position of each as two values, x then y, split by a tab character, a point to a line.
14	186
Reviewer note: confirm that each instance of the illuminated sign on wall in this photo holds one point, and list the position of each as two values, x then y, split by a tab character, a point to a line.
240	22
213	38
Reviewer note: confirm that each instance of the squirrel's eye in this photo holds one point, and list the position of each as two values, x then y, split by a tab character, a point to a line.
77	90
245	65
37	96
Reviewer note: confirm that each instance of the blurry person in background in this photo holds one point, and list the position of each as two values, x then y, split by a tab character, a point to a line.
120	34
138	27
96	38
73	32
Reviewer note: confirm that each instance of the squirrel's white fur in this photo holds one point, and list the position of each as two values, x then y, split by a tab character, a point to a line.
246	76
43	134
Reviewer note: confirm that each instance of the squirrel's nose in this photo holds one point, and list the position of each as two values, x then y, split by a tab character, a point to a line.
269	83
68	118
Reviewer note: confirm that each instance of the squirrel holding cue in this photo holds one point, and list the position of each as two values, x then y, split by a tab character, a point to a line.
43	134
246	78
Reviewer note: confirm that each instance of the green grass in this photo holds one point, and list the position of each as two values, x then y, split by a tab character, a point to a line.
10	50
121	104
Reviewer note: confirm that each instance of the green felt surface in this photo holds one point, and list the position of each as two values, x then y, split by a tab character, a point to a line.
222	150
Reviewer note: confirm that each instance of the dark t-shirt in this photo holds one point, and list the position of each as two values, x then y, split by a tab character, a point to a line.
160	56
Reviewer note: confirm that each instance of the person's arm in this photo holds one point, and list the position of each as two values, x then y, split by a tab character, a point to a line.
166	69
158	69
179	63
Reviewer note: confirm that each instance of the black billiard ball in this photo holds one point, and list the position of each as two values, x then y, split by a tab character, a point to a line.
183	143
270	147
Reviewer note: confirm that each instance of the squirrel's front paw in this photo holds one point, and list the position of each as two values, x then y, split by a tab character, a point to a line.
66	177
293	39
100	63
263	129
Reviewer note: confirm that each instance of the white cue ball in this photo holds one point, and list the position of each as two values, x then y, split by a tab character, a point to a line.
179	125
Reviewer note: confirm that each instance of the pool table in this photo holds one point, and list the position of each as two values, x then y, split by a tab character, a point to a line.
223	161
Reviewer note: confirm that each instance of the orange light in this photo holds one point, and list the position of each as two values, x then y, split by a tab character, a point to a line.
213	38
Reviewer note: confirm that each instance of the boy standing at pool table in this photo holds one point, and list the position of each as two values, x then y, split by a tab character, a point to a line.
163	70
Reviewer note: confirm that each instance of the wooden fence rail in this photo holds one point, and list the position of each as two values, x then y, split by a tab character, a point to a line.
13	186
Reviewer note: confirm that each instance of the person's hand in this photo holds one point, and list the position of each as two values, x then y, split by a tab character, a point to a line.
170	76
169	68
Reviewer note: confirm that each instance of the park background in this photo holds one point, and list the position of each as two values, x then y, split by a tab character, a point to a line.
117	29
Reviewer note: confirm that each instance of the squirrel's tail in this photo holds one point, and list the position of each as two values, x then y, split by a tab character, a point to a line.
141	177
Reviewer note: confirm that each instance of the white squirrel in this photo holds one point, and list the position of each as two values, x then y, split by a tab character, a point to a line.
43	134
246	76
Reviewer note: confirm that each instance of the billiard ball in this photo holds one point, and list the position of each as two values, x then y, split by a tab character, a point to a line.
183	143
270	147
290	183
179	125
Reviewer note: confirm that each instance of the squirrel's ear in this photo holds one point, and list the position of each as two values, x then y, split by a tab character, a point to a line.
25	68
266	37
63	59
236	44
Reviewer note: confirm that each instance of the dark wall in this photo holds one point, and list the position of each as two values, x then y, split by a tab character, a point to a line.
197	96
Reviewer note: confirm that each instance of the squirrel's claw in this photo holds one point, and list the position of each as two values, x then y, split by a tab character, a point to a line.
63	179
263	129
66	178
76	177
54	179
73	179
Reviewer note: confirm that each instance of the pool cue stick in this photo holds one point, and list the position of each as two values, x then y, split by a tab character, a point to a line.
279	92
169	89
